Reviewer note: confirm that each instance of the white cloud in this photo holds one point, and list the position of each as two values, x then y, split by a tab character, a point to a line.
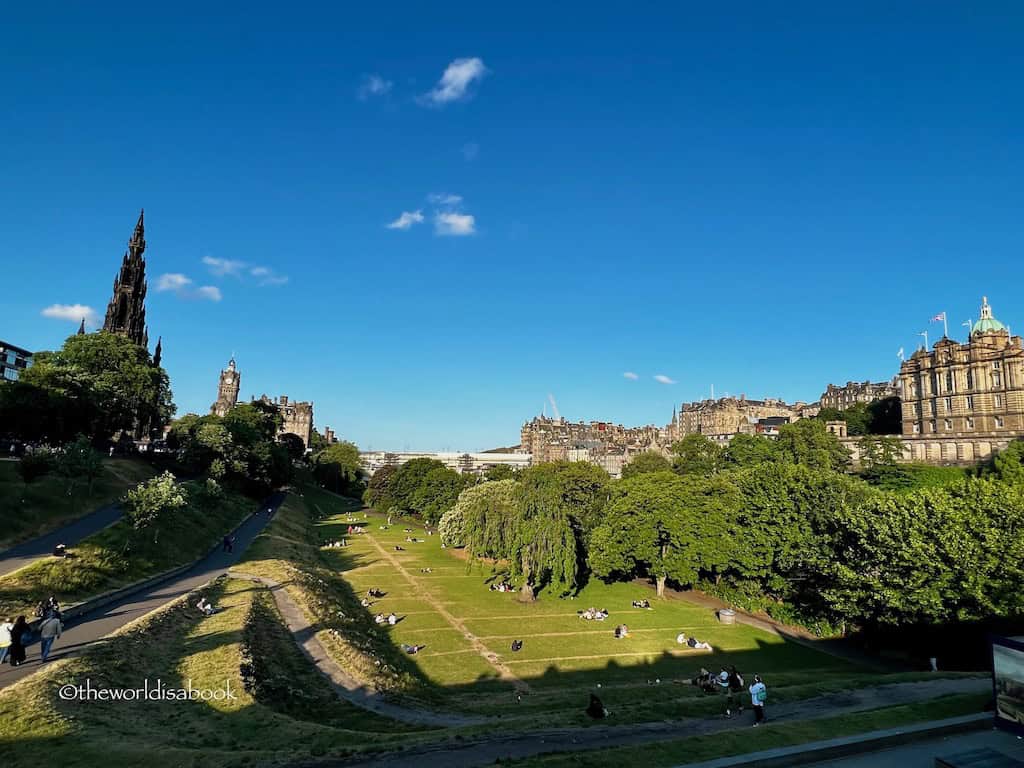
373	85
451	223
172	281
454	83
274	280
661	378
71	312
223	266
209	292
445	200
406	220
630	375
259	271
470	151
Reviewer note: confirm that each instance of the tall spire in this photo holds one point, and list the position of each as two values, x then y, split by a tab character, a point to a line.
81	328
159	352
126	312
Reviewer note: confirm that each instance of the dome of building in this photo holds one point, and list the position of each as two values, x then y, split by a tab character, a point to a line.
986	323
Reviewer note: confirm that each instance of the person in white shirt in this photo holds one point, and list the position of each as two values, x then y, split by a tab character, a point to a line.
5	634
758	696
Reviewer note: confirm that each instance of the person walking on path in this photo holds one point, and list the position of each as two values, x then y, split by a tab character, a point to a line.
49	631
5	638
19	633
228	544
758	696
735	692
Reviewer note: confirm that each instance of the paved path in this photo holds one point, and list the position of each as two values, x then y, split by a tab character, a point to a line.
500	746
344	684
90	627
27	552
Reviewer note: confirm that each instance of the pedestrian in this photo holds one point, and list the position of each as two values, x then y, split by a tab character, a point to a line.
758	696
19	636
5	638
228	544
49	631
736	686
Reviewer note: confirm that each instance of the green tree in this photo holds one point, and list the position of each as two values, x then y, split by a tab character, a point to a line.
35	464
499	472
338	467
79	461
807	442
437	493
750	450
378	489
578	488
109	378
293	445
664	526
645	463
886	416
696	454
546	547
153	500
406	481
879	451
485	516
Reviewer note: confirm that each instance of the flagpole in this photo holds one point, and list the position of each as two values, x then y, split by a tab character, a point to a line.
945	326
925	334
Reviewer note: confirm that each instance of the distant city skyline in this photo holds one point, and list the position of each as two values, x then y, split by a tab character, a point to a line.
426	233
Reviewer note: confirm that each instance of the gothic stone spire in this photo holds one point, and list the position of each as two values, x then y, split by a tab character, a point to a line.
126	313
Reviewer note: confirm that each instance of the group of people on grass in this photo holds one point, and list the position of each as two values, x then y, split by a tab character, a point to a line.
504	586
730	682
390	619
593	614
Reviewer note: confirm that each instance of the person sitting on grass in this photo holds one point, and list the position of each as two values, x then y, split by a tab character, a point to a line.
426	570
60	551
517	645
399	549
365	602
601	615
621	632
705	681
412	649
392	619
205	607
380	618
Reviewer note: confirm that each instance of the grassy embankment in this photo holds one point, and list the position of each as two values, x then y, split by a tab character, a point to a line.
40	507
288	711
102	562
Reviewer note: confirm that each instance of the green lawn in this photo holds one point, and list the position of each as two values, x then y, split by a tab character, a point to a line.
467	631
45	505
100	562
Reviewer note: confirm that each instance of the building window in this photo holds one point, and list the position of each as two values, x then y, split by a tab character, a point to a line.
949	381
947	424
970	379
970	403
917	409
917	428
999	422
970	423
997	401
996	365
931	404
997	379
949	405
932	424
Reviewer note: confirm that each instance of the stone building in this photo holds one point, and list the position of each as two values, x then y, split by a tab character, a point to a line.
13	360
727	416
973	392
296	417
854	392
549	439
227	389
126	312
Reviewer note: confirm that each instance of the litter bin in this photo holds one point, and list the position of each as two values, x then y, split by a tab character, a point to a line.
727	616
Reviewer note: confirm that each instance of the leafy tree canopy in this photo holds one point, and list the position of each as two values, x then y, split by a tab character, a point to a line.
644	463
696	454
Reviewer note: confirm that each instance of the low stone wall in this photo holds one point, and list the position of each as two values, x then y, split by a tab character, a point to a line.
941	450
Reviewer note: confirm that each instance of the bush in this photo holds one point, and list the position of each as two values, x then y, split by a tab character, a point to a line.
149	502
35	465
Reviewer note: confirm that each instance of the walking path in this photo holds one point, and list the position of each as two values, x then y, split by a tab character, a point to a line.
90	627
26	553
491	749
488	655
344	684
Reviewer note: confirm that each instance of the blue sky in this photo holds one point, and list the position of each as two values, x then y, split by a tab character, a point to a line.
758	200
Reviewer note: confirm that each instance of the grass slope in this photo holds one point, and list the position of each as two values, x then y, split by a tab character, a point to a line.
267	724
44	505
101	563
